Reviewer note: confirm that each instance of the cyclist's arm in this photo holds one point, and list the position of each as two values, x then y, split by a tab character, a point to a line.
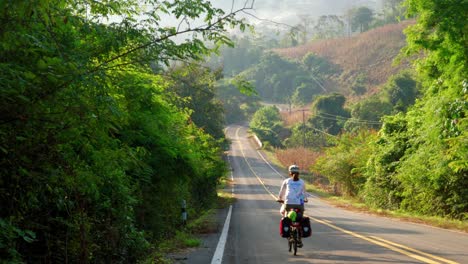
282	191
304	192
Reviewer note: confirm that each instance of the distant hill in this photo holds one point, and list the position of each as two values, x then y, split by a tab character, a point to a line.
370	53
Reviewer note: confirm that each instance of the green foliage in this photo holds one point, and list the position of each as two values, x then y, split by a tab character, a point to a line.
195	86
327	119
96	156
344	163
267	124
305	93
418	170
359	85
245	53
328	113
329	26
280	80
318	66
187	240
397	95
383	188
367	114
273	77
305	136
400	91
244	86
361	18
237	105
11	233
429	174
393	10
419	161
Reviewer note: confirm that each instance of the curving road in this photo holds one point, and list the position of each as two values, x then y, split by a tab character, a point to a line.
339	236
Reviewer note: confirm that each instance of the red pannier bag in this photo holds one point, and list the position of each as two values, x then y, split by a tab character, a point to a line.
306	229
285	227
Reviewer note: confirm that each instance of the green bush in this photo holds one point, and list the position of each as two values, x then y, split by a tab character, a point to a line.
267	124
344	163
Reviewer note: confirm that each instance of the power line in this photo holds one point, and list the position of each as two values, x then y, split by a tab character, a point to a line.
323	132
348	120
320	84
351	119
269	20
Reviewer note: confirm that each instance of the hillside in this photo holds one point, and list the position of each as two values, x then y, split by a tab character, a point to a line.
370	53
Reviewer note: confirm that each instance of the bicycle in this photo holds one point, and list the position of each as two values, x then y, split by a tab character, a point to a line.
295	230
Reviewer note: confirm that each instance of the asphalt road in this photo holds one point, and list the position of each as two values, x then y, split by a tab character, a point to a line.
339	236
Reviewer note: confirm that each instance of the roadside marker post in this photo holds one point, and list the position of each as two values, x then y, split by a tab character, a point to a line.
184	212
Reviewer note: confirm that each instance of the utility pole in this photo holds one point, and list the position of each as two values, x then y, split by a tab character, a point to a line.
303	124
303	128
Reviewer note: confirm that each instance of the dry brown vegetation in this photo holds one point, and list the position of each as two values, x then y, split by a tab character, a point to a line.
293	117
303	157
371	53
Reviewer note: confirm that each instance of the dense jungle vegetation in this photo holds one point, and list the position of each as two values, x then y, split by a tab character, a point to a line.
110	118
396	142
102	135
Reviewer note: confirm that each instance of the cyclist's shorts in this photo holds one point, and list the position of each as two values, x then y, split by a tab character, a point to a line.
290	206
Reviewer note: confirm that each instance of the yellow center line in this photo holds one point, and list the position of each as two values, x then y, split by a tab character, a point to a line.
415	250
250	167
410	252
404	252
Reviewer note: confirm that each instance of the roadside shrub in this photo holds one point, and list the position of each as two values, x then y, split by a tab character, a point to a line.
266	123
344	163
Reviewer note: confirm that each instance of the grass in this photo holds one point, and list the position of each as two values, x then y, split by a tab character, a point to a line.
223	183
204	224
225	199
182	239
207	221
353	204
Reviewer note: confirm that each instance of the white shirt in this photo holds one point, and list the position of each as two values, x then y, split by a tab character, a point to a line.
292	192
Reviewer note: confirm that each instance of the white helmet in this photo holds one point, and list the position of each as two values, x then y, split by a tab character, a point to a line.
293	168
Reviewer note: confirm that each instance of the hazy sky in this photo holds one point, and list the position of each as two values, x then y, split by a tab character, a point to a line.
289	11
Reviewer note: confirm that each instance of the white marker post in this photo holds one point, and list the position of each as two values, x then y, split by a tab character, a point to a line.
184	212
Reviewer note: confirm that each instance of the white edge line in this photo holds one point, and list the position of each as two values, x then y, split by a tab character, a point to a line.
219	252
268	163
259	153
218	255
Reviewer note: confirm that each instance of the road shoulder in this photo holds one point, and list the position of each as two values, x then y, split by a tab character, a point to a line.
204	253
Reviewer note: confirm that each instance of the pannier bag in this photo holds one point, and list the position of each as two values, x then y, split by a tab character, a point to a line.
285	227
306	229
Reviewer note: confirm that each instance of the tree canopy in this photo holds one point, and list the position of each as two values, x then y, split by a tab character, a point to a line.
96	149
328	113
361	18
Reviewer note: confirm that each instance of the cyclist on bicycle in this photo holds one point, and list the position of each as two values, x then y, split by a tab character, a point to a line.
292	192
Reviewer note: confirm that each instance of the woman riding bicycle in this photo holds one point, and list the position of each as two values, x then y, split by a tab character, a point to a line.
292	191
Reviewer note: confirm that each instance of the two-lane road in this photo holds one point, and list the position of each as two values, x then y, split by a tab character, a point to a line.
339	236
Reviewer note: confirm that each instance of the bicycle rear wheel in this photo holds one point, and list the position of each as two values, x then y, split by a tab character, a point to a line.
295	242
